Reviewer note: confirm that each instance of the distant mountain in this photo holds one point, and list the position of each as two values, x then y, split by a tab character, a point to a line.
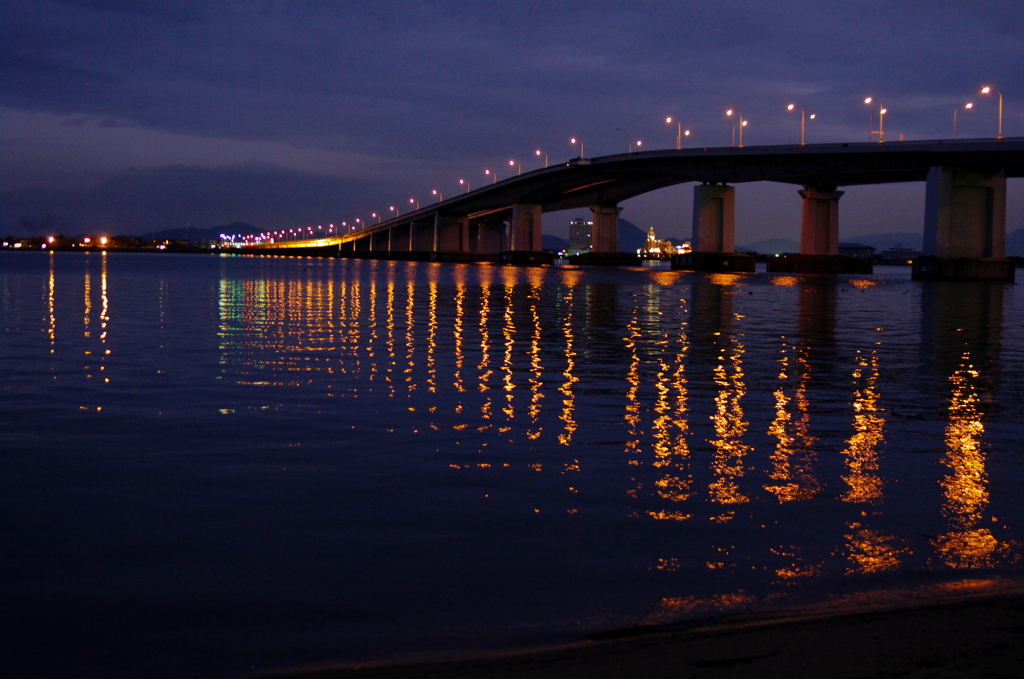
772	246
1015	243
554	243
631	236
198	234
884	241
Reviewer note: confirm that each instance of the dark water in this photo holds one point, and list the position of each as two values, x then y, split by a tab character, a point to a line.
217	464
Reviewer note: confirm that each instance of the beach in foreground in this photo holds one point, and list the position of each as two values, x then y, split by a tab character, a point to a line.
975	629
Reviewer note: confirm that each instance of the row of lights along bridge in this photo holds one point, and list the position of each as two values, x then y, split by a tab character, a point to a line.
740	123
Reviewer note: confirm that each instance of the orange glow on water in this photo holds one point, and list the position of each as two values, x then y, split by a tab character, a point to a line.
861	453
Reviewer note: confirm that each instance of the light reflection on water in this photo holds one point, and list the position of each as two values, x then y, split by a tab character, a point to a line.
374	458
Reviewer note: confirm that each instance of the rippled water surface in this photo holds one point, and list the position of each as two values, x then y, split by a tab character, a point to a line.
213	465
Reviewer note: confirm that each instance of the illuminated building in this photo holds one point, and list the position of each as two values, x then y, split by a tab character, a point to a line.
580	236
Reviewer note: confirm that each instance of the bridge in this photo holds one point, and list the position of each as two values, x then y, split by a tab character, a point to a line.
965	210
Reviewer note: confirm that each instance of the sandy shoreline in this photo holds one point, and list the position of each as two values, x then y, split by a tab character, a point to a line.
971	629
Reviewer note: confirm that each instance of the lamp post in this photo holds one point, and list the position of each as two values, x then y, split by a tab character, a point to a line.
968	106
435	192
987	90
492	175
742	123
540	153
413	201
881	122
812	116
463	181
680	132
575	141
393	209
377	216
518	166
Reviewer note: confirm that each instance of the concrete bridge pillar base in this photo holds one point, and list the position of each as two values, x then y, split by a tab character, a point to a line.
819	227
524	231
714	219
604	236
964	227
928	268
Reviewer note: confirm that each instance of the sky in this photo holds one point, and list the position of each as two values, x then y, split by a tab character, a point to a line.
134	116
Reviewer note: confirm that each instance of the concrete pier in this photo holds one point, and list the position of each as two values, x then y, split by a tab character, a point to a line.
819	238
605	234
713	238
452	233
819	225
964	227
524	232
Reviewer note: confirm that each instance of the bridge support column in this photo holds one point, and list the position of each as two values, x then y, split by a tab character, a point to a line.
422	237
713	240
452	237
964	227
380	242
604	236
524	231
489	238
819	226
819	238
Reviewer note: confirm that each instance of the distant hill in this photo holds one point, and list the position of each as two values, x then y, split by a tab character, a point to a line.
631	236
554	243
198	234
772	246
884	241
1015	243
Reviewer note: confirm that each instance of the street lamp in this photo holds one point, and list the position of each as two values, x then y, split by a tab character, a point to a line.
986	90
393	209
679	132
492	175
742	123
812	116
968	105
518	166
463	181
540	153
374	214
413	201
881	121
575	141
435	192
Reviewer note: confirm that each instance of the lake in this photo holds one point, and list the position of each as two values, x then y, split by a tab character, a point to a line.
216	465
